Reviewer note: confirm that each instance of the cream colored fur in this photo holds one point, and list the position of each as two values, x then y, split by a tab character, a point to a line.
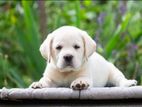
88	68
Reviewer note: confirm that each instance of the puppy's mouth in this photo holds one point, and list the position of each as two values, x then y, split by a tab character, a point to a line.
67	68
68	65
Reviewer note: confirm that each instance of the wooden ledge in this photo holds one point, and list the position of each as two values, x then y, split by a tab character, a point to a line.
105	93
66	97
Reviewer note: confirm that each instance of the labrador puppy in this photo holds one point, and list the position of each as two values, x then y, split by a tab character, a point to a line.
73	62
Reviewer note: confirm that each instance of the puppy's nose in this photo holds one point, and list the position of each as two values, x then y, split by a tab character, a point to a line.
68	58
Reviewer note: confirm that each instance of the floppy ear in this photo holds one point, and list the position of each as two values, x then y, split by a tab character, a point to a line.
46	48
89	44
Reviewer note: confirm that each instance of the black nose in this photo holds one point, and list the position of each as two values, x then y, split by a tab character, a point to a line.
68	58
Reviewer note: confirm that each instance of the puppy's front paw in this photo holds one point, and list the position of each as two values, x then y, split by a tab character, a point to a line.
36	85
79	85
128	83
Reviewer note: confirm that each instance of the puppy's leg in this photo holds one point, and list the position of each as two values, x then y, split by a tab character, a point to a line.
42	83
81	83
118	79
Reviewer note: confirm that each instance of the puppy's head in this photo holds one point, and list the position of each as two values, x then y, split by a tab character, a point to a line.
68	48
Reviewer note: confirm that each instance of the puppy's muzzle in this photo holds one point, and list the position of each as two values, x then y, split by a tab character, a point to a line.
68	59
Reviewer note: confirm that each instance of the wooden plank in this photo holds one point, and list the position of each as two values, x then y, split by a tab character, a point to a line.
66	97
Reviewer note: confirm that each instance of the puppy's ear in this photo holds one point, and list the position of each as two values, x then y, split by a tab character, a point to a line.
46	48
89	44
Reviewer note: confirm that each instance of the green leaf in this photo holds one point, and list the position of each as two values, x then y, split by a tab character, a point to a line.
116	37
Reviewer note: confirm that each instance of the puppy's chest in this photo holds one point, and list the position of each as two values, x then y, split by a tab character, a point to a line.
64	79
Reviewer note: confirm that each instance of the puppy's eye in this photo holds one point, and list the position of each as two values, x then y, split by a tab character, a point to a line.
59	47
76	47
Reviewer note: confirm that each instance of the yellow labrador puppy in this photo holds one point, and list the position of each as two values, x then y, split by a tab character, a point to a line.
73	62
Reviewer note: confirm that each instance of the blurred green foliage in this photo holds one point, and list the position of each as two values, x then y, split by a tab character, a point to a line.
116	26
